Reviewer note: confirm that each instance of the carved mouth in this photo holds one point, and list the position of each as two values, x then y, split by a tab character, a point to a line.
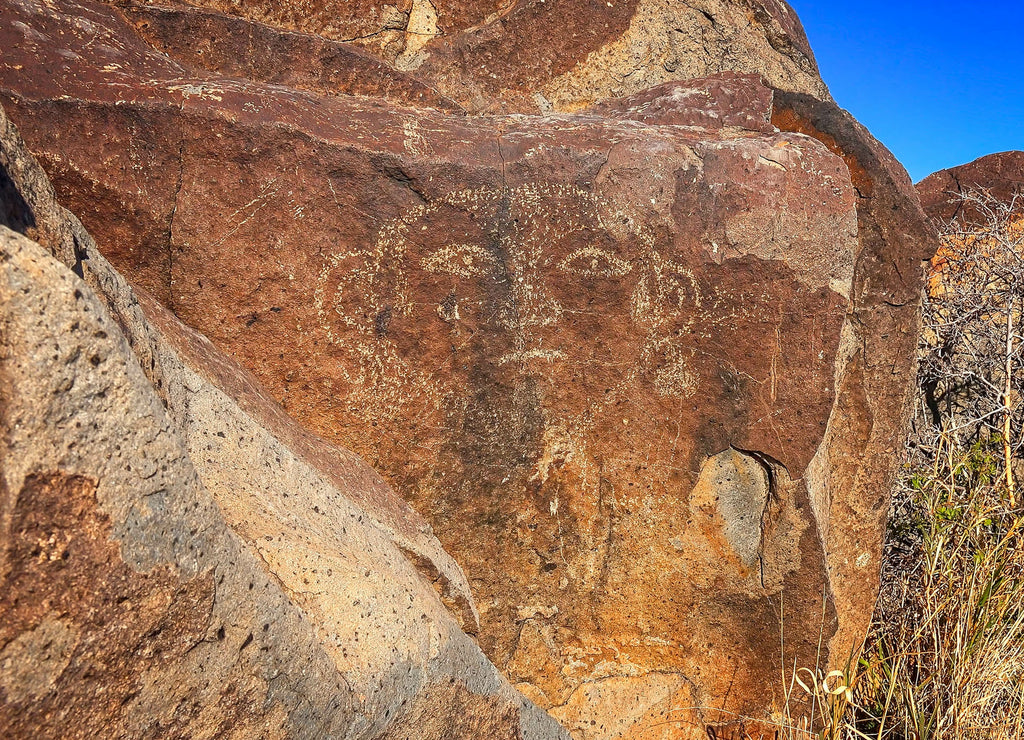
532	355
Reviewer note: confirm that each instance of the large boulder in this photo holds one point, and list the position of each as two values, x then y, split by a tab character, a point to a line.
177	557
1001	175
519	55
645	368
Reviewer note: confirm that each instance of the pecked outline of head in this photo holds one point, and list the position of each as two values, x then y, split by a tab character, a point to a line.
506	243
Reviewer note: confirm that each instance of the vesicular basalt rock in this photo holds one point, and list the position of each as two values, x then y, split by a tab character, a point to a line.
645	367
179	559
522	55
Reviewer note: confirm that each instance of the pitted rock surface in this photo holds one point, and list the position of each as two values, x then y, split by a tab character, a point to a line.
233	47
642	367
724	100
567	54
171	567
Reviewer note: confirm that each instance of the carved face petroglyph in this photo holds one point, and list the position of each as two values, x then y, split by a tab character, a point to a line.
554	276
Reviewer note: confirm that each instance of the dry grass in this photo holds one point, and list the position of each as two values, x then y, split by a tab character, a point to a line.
944	659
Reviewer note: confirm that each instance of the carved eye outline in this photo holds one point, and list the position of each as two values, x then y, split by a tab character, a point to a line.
668	292
678	288
615	268
460	260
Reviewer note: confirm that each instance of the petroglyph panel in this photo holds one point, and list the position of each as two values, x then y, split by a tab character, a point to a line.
546	332
567	366
538	331
512	261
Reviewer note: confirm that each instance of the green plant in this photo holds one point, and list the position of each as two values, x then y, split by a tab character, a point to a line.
944	659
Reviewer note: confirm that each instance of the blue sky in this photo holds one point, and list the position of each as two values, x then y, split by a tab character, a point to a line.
938	82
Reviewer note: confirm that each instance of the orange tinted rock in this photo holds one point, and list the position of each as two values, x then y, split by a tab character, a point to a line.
642	367
177	558
853	473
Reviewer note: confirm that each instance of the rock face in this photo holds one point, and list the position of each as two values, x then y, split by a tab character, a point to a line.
527	55
643	367
177	557
1001	174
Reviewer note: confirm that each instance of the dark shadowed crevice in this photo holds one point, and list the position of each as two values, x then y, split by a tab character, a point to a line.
15	213
457	603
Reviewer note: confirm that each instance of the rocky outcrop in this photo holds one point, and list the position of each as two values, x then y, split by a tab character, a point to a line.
567	54
1001	175
230	46
518	55
853	472
643	367
177	557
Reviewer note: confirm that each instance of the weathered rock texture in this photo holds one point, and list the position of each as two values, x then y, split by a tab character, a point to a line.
645	368
522	55
1001	174
177	557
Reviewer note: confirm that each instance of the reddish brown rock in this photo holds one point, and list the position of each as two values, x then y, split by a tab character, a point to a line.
232	47
725	100
525	55
1002	175
853	474
177	558
643	367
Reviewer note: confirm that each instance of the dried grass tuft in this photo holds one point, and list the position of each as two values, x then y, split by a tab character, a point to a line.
944	659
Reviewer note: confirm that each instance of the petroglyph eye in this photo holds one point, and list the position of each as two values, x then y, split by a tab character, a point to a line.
669	292
678	287
462	260
594	262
